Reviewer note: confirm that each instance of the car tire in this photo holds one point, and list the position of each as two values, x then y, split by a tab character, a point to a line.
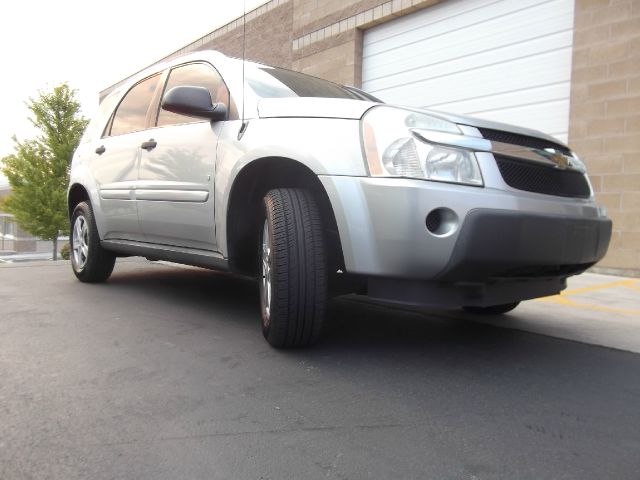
293	274
493	309
90	262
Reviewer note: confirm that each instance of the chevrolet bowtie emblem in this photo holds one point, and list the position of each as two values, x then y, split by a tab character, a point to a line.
561	161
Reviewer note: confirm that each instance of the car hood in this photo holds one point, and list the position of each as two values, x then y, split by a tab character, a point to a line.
313	107
354	109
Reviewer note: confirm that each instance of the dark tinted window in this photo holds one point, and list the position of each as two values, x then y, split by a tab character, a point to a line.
272	82
131	114
195	75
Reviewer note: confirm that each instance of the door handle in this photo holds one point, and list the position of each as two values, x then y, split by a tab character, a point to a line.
100	150
149	145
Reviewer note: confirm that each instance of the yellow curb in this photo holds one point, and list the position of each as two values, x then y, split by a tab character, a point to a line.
557	299
603	286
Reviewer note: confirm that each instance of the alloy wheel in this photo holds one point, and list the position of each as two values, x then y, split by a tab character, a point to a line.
80	242
265	286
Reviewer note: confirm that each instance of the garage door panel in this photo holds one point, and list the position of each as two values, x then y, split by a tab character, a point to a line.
547	116
520	74
519	40
493	26
503	60
523	39
538	55
478	105
441	20
437	15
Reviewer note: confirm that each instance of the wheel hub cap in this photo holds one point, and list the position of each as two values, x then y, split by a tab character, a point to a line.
265	285
80	242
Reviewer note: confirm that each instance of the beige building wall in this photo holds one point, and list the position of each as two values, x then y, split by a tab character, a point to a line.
604	126
13	239
268	36
324	38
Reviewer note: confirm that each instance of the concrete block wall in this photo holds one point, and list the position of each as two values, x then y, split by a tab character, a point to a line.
268	36
604	126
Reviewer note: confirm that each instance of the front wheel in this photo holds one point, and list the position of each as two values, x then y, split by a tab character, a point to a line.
293	267
90	262
493	309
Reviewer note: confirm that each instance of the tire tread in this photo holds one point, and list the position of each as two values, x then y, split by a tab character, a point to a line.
299	263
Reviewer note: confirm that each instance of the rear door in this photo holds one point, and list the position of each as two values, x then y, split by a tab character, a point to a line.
174	193
116	159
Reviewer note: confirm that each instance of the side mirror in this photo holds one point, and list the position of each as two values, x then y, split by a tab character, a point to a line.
194	102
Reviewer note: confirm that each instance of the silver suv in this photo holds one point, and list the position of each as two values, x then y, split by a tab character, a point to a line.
315	189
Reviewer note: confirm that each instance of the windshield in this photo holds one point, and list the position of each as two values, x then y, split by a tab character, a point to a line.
273	82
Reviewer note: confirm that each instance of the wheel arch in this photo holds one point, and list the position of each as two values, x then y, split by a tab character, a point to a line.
77	193
245	203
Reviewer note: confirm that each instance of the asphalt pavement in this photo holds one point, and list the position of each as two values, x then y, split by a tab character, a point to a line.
162	373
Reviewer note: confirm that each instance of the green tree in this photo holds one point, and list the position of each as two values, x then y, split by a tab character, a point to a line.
38	170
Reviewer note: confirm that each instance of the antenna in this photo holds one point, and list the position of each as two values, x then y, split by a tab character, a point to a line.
244	124
244	43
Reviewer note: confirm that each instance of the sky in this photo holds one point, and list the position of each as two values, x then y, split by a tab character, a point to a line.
91	45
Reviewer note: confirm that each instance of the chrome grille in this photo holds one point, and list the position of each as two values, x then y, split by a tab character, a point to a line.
522	140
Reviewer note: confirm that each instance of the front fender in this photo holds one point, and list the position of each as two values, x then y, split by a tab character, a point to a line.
326	146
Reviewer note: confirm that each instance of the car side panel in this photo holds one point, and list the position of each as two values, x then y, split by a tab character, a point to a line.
116	175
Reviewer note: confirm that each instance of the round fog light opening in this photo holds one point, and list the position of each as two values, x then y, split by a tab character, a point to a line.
442	221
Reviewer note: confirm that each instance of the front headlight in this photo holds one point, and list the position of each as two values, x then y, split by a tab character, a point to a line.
394	148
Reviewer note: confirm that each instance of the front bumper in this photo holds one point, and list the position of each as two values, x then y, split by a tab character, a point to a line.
497	234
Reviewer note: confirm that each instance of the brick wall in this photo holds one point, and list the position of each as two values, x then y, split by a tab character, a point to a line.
268	38
604	126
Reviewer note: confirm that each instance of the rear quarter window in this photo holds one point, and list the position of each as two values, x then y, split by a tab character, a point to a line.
96	125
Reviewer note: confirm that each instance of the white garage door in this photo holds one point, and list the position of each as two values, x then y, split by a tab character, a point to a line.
504	60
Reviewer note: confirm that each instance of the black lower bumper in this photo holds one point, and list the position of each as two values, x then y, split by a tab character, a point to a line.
505	244
502	257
